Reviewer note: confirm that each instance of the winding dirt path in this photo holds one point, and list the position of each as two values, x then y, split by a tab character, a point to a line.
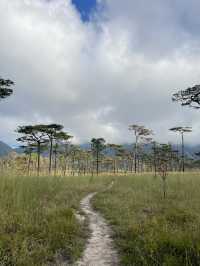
99	249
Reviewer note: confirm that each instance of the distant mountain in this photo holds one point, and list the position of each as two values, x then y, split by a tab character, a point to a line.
190	150
85	146
4	149
19	150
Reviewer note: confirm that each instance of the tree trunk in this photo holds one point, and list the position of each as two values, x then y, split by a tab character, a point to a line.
97	164
38	158
65	165
164	186
114	166
50	154
155	164
73	165
136	144
183	153
29	162
55	160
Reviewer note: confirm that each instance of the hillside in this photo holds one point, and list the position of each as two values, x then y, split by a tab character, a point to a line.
190	150
4	149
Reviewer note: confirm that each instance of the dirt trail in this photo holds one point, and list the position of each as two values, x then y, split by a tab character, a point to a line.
99	249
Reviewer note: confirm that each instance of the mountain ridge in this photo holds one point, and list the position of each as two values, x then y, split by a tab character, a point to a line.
190	150
5	149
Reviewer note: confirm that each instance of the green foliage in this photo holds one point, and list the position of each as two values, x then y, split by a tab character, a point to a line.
5	89
37	216
189	97
97	146
149	230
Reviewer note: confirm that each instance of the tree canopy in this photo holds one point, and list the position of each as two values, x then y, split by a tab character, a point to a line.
181	129
189	97
5	88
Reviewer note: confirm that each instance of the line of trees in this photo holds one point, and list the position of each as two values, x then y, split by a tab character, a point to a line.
54	145
41	138
51	144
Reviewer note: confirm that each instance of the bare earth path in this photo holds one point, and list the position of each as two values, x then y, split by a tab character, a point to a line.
99	249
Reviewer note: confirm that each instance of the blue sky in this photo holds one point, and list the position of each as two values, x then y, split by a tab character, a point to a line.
85	7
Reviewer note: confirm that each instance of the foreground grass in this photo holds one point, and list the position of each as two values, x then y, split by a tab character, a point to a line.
37	218
149	230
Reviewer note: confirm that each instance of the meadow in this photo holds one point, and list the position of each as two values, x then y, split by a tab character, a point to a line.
151	230
37	217
39	226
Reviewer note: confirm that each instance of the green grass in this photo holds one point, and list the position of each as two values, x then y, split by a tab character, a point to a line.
149	230
37	218
38	224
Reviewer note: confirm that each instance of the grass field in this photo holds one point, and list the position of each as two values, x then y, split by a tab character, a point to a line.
149	230
38	223
37	217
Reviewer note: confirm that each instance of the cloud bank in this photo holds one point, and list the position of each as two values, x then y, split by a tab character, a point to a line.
98	77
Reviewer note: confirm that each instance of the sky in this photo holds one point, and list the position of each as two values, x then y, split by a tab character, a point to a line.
99	67
85	8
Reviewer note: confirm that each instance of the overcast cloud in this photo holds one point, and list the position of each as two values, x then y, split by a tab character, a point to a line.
96	78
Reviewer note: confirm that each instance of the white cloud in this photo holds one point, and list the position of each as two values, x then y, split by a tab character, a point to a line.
97	78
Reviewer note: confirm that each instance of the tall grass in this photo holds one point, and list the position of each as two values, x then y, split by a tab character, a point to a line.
37	218
150	230
38	224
